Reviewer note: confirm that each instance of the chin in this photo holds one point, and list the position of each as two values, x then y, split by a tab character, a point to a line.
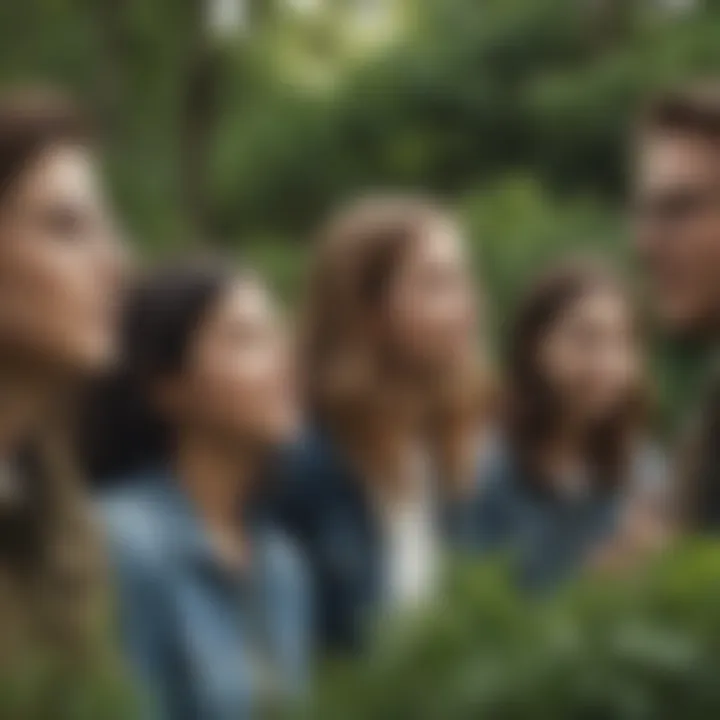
262	432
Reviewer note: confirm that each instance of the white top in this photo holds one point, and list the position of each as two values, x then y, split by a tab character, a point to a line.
412	543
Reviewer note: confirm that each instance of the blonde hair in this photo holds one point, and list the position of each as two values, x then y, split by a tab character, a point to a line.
357	258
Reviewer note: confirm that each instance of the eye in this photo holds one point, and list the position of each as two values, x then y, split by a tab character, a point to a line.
62	221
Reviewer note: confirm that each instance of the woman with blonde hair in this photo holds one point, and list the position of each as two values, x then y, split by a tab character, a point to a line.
390	365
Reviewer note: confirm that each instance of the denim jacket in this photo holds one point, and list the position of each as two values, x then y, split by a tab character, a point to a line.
204	644
547	537
322	503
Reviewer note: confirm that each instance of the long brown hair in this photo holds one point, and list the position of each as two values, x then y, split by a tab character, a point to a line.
348	393
533	411
47	560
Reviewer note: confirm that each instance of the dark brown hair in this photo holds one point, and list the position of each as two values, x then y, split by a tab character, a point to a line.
692	109
121	432
533	412
357	258
33	120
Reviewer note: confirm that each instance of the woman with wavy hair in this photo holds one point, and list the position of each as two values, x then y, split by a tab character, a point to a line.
60	273
574	480
395	396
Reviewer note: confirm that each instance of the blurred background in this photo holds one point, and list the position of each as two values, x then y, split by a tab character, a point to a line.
242	122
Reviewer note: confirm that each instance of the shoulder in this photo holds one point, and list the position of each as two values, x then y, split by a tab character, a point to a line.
491	512
136	521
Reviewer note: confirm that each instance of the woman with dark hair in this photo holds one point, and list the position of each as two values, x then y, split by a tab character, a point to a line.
396	401
573	475
60	275
211	598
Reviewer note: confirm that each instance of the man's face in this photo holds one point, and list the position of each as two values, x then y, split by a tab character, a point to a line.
677	228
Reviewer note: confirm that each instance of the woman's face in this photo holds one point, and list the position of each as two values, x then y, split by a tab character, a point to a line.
590	357
431	315
60	266
238	381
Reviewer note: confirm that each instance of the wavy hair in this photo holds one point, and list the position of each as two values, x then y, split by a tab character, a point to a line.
348	391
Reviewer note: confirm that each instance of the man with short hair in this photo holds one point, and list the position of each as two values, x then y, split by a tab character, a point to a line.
677	237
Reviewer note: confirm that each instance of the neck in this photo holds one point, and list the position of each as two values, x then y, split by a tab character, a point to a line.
384	455
564	451
25	399
216	477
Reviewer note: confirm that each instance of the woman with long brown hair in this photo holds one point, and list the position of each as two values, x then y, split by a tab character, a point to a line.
574	470
60	271
389	359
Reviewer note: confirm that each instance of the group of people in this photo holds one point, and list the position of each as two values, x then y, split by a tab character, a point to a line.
262	496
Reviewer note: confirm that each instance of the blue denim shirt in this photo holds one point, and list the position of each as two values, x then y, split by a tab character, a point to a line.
323	504
204	644
546	537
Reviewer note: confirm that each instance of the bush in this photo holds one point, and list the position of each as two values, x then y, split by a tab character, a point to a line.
646	648
49	690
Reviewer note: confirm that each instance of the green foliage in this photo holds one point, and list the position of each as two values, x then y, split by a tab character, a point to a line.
473	91
42	689
516	227
466	92
518	109
645	648
284	264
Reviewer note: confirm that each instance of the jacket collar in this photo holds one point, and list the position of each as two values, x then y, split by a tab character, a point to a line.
189	538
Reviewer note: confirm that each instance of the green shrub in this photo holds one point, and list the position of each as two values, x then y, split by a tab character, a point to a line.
62	690
646	648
